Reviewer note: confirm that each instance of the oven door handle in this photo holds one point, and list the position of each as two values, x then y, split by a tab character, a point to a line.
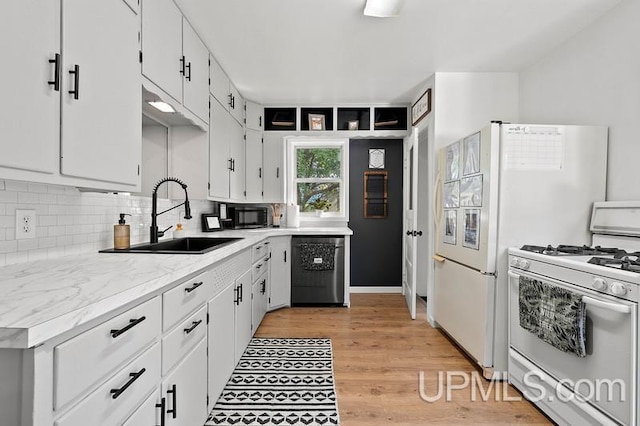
623	309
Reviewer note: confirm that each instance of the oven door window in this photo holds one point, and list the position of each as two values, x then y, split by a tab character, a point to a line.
611	350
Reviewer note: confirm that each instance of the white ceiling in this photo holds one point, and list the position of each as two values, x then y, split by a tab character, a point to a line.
327	52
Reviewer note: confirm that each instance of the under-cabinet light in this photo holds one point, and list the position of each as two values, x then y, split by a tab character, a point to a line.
383	8
162	106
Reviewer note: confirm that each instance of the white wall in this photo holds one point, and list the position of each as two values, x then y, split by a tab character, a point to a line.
467	101
594	78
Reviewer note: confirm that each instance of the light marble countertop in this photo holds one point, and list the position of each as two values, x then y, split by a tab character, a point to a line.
43	299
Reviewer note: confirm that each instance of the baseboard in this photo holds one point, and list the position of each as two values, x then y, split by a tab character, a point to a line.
384	290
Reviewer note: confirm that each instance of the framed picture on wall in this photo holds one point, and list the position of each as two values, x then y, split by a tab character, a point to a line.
421	108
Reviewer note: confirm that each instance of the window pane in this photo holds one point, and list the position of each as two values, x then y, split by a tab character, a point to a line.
319	196
318	162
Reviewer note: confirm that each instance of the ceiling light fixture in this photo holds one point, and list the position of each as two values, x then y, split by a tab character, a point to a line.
383	8
162	106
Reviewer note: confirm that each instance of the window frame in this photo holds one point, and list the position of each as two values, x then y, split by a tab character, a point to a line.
293	144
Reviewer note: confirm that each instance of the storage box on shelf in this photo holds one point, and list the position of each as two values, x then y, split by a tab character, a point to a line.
58	113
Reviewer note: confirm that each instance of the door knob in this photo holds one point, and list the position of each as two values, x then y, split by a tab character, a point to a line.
418	233
409	233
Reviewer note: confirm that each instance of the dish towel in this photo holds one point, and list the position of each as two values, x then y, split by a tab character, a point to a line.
317	256
554	314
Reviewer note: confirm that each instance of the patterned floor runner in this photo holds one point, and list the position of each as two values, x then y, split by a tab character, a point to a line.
280	382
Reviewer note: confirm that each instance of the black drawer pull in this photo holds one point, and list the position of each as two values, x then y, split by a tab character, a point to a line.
132	323
174	394
188	76
56	72
134	376
193	287
182	64
240	296
162	406
194	324
259	266
263	289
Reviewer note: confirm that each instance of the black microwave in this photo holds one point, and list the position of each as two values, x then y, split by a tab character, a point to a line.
248	217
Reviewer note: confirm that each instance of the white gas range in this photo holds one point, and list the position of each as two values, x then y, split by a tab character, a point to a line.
600	385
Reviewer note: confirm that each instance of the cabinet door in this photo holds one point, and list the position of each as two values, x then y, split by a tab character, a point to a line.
219	165
253	116
273	168
237	149
101	122
162	45
236	107
221	337
147	414
280	280
30	109
196	79
254	166
185	390
242	315
219	86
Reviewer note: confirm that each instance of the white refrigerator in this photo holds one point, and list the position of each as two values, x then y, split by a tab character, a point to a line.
505	186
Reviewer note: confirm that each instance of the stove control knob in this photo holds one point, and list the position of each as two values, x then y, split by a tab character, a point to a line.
514	262
599	284
618	289
524	264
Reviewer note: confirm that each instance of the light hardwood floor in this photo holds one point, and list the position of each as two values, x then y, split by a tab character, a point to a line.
379	353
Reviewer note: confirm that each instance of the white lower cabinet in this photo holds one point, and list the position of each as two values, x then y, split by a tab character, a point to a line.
242	315
119	396
221	341
258	302
185	390
280	273
147	413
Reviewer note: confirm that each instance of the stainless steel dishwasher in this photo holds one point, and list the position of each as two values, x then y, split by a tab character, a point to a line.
317	270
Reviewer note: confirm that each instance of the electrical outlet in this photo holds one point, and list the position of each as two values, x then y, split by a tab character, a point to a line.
25	224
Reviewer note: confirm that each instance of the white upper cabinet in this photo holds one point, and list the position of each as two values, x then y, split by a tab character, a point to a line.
162	60
196	78
30	34
101	102
71	91
236	104
219	83
254	166
219	159
237	153
273	168
253	116
173	56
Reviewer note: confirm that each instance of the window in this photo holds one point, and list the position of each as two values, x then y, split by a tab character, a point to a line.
318	183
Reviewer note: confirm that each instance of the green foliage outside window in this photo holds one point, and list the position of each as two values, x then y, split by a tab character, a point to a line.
319	175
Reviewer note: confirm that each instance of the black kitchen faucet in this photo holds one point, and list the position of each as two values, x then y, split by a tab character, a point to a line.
154	234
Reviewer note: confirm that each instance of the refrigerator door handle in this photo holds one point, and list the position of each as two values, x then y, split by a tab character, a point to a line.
438	258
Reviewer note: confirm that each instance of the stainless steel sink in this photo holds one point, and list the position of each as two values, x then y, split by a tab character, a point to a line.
188	245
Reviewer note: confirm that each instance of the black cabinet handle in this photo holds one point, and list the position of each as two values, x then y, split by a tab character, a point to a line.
229	161
193	287
259	266
132	323
259	121
236	297
162	406
56	72
182	64
240	297
417	233
188	76
233	102
285	256
233	164
194	324
277	172
76	82
263	288
174	397
115	393
230	100
260	172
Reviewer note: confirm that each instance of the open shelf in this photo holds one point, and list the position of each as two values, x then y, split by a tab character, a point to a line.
280	119
358	117
390	118
324	118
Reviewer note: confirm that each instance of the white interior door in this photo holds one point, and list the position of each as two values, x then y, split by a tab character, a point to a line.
409	272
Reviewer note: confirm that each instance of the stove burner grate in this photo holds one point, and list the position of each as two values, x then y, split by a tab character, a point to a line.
624	262
571	250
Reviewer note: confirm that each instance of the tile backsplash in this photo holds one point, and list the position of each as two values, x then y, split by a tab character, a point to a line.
71	222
